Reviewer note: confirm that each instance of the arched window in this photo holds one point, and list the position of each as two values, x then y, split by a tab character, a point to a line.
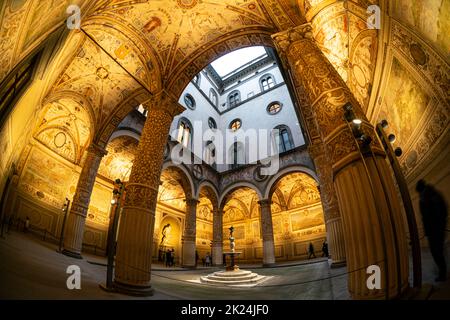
189	101
196	79
274	108
283	138
237	155
184	132
234	98
210	154
213	97
266	82
235	125
212	123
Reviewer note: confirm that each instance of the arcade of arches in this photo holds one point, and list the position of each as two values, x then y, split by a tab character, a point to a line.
68	129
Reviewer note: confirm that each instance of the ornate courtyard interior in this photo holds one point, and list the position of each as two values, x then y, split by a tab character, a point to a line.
112	115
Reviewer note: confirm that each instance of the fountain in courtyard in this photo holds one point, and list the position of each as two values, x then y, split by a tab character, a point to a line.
233	276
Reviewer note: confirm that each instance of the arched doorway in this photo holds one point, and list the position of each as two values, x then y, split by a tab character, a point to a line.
297	216
241	210
205	221
170	214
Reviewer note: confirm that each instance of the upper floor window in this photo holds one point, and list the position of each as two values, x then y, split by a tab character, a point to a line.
189	101
212	123
213	97
234	98
210	154
267	82
237	155
274	108
196	79
283	138
235	125
184	132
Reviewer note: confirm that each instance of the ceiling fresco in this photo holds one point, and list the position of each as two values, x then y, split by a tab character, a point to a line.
119	160
295	191
241	204
100	80
65	128
176	28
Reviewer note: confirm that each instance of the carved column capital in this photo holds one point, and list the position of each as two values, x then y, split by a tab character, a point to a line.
265	203
166	103
97	150
284	39
192	202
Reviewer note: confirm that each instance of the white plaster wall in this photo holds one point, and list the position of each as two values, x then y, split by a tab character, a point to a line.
252	113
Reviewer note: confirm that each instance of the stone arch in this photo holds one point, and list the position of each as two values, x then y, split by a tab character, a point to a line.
124	132
237	185
187	183
211	192
199	59
268	191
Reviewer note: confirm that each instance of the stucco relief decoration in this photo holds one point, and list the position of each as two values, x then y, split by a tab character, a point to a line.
65	129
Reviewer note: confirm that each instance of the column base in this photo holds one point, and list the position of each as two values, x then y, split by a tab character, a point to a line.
338	264
71	254
128	289
268	265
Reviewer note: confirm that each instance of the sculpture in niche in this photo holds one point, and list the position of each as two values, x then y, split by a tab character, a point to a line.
165	234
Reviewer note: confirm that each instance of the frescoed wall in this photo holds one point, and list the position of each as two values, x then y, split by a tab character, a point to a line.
431	18
404	103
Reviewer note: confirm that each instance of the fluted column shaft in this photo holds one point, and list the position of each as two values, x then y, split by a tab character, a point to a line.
189	233
217	245
135	238
80	204
267	233
333	221
371	216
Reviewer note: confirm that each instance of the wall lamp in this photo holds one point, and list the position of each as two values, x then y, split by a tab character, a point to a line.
391	138
350	117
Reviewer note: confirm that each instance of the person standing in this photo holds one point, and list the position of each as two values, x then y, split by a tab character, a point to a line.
172	257
434	217
325	252
168	257
311	251
208	260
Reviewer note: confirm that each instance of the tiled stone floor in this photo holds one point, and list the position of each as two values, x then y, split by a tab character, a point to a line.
32	269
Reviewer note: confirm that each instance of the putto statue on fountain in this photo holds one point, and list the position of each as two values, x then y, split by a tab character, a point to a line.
231	238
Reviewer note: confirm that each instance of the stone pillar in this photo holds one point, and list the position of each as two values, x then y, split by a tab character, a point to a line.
76	219
135	238
189	234
217	245
370	211
267	233
333	221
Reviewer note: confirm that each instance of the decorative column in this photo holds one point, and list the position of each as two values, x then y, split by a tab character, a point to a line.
267	233
333	221
217	245
189	234
135	238
371	217
80	204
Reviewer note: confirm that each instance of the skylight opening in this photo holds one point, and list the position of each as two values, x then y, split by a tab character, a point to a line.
229	63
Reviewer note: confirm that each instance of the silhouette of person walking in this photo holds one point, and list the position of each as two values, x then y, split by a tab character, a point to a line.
325	249
311	251
168	258
434	218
